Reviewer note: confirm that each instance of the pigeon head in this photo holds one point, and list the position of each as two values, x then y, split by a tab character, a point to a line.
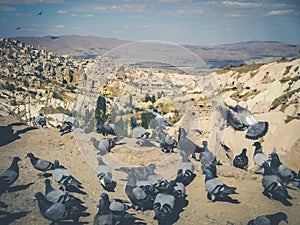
104	196
56	163
204	143
275	159
30	155
244	151
47	181
257	145
16	159
38	195
93	139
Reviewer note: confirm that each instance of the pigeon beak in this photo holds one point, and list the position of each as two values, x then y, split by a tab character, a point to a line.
34	199
286	221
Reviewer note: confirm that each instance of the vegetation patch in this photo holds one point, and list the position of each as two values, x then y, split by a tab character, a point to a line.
281	100
287	70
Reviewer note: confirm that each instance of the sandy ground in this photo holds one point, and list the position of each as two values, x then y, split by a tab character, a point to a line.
17	140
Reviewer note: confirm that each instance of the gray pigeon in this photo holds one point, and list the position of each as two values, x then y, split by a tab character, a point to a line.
241	119
141	134
105	128
65	179
67	125
139	198
274	187
40	164
208	160
139	172
286	174
217	190
167	143
160	121
10	175
185	173
40	120
59	212
116	205
241	161
105	175
164	203
272	219
59	196
259	157
186	144
105	145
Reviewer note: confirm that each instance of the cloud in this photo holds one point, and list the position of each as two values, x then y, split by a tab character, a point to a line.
5	8
280	12
61	11
233	15
73	14
88	15
60	26
23	15
242	4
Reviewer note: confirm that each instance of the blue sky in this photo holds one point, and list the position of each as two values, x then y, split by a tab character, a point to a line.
180	21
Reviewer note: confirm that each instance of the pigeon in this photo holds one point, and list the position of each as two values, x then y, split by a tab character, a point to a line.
106	216
216	189
40	164
10	175
166	142
105	128
65	179
105	145
259	157
241	160
208	160
139	172
105	175
156	181
164	204
67	125
286	174
40	120
59	212
116	205
139	198
241	119
186	144
40	13
140	133
160	121
59	196
185	173
18	28
272	219
273	186
179	190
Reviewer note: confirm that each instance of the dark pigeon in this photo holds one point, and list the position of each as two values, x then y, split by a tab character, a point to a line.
10	175
166	142
117	206
208	160
40	164
106	216
105	128
59	196
271	219
274	187
241	161
59	212
65	179
286	174
40	120
139	198
242	119
186	144
104	146
105	175
259	157
141	134
217	190
185	173
67	125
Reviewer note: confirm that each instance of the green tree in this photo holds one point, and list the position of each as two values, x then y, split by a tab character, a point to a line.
146	118
101	108
153	99
147	98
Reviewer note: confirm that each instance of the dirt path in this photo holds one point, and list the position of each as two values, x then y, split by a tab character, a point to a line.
48	144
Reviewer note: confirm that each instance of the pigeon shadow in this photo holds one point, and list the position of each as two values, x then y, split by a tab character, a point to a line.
8	135
228	199
3	205
7	217
19	187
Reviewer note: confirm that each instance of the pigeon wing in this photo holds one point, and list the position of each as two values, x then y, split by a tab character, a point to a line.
257	130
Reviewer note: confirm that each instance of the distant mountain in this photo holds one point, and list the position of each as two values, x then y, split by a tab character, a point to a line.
216	56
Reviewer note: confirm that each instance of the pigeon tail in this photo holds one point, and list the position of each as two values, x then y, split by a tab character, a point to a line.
257	130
